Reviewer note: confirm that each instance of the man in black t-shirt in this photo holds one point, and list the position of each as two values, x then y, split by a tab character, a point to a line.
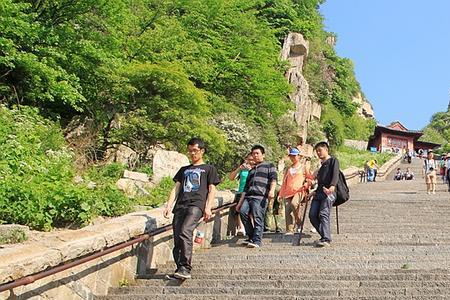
194	193
325	194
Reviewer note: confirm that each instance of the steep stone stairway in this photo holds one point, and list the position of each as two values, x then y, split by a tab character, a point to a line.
394	244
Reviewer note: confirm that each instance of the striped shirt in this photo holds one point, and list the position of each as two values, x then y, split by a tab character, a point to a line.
259	180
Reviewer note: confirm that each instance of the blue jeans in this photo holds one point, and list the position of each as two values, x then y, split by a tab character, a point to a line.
371	175
319	215
258	209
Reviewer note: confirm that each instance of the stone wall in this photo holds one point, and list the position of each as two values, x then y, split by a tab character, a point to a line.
95	277
353	174
360	145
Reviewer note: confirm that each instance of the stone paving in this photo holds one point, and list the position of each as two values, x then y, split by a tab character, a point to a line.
394	244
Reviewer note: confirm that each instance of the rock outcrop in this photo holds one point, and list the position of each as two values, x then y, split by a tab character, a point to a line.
295	50
365	109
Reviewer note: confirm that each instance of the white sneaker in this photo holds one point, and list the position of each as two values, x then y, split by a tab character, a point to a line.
313	230
252	245
322	244
240	233
246	242
434	193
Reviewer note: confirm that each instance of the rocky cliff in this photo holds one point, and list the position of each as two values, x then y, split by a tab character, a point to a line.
365	109
295	51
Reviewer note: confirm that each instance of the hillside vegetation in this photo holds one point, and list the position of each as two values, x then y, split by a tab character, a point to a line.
150	72
438	131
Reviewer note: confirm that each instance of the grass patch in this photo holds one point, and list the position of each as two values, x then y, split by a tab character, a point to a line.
13	237
406	266
350	157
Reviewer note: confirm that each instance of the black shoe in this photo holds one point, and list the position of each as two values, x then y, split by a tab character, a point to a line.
182	274
266	229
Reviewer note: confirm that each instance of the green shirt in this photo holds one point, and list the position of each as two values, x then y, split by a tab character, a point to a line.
243	174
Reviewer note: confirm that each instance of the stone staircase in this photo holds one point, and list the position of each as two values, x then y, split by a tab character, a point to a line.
394	244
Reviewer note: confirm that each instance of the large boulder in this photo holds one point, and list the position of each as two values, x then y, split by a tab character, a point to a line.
167	163
122	154
134	184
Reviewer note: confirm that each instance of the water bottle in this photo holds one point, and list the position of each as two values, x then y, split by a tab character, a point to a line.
199	237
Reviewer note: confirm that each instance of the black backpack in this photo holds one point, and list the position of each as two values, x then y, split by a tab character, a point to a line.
342	191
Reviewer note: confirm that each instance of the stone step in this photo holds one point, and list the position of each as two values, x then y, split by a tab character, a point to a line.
289	270
307	275
336	249
393	245
308	292
286	283
263	297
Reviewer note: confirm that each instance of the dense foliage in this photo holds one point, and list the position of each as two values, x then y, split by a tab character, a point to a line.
37	180
150	72
438	131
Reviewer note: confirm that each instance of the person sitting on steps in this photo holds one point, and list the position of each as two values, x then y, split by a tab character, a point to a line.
398	175
408	175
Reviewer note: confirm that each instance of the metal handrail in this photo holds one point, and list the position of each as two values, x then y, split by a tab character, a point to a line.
64	266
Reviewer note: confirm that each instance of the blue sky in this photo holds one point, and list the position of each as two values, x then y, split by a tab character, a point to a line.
401	52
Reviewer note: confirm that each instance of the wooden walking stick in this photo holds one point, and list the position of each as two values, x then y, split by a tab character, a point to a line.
298	235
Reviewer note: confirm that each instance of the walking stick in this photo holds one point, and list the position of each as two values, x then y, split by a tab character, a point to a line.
337	220
298	235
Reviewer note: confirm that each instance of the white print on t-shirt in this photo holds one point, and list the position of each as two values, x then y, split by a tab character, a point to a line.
192	180
294	170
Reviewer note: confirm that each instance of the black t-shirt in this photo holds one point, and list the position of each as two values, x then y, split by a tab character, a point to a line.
194	185
328	173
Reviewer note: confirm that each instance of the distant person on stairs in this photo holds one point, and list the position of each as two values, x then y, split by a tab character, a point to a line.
259	189
447	160
429	171
325	194
194	192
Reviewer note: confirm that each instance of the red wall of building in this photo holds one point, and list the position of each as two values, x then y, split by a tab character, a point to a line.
389	141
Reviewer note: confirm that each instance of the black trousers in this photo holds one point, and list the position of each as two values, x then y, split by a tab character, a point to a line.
185	220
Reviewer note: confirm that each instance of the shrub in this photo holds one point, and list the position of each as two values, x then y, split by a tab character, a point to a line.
37	175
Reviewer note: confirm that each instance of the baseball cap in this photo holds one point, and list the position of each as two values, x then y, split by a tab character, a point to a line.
294	151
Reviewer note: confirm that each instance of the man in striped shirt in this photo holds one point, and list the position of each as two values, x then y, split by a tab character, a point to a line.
259	189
